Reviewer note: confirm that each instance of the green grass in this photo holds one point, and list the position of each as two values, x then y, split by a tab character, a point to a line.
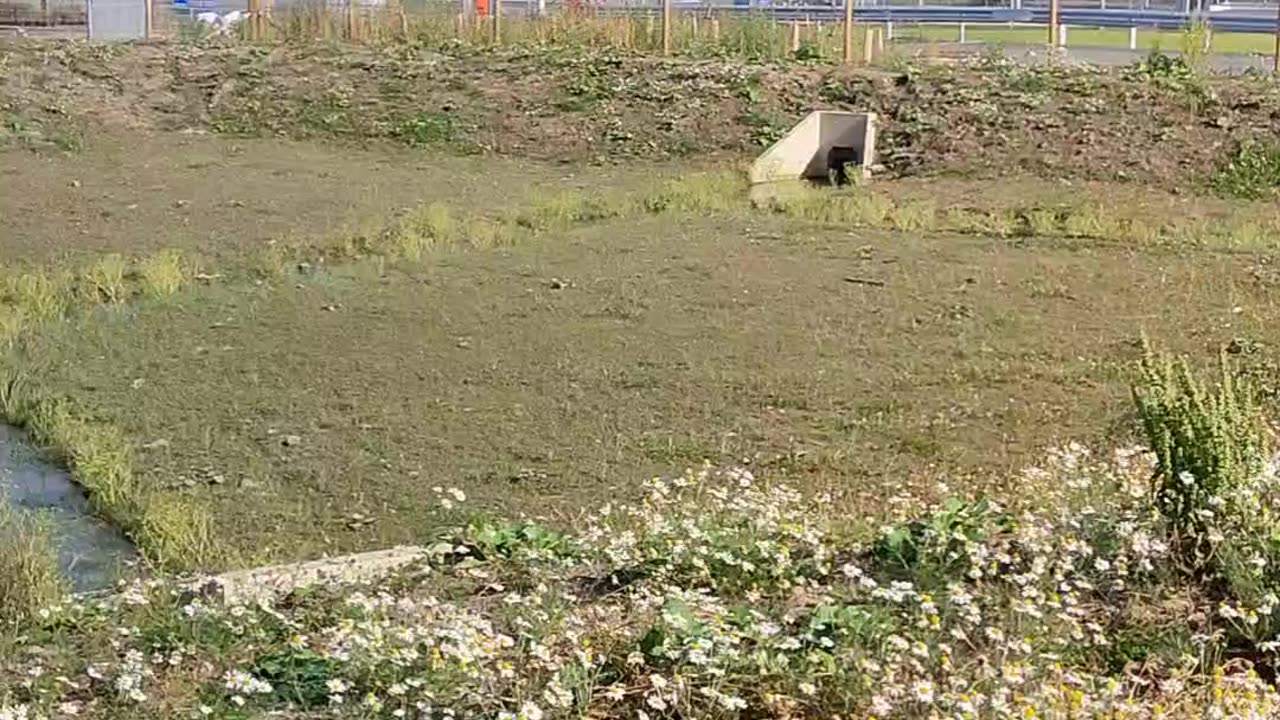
539	374
1085	37
29	577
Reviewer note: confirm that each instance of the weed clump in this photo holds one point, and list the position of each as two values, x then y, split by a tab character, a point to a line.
1253	172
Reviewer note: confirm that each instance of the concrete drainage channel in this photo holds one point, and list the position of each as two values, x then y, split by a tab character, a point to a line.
91	553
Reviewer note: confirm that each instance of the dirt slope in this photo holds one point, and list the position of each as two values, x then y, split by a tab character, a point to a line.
985	119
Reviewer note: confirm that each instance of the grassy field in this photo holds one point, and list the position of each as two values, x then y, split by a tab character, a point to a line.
540	375
1148	39
351	298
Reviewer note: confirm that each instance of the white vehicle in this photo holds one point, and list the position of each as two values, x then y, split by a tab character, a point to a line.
221	24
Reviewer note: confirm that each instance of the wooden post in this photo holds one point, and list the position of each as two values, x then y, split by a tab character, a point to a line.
255	19
867	46
497	22
695	27
848	32
1053	22
715	29
795	36
666	27
147	29
880	41
351	19
1275	59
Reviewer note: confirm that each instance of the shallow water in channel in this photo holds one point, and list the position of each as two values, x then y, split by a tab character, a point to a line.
91	553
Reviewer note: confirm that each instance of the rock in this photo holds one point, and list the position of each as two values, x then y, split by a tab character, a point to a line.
291	440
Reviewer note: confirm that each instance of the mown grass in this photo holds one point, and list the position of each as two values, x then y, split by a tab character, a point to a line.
645	339
103	460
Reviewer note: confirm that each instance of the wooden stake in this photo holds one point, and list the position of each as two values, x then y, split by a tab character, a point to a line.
695	27
715	30
795	36
147	29
497	22
867	46
1275	60
848	32
1053	22
351	19
666	27
880	41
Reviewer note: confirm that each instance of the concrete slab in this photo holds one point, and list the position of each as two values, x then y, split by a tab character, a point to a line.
265	583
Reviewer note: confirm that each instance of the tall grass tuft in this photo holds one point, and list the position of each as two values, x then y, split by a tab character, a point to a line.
104	280
13	322
162	274
42	296
98	455
174	532
426	227
29	576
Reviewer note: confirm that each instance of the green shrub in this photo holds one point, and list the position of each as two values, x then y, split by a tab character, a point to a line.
1210	445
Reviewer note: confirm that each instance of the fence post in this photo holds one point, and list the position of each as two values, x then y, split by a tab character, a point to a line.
1133	38
795	36
1275	58
497	22
880	33
962	33
888	31
1062	36
666	27
1053	22
868	45
147	28
849	32
715	29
